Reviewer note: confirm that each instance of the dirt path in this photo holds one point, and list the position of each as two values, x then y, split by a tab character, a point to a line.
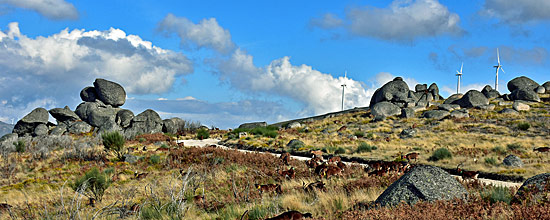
209	142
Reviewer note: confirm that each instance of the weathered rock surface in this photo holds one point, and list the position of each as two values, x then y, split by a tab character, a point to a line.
407	133
520	106
540	90
420	87
546	86
407	113
109	92
385	109
124	117
434	90
522	82
79	127
422	183
59	130
509	111
489	92
295	144
171	125
102	117
394	91
525	94
83	110
512	161
489	107
147	122
88	94
41	130
64	114
294	125
253	125
533	188
28	123
448	107
472	98
436	114
460	113
6	142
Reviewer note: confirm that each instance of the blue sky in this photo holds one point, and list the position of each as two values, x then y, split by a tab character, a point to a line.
228	62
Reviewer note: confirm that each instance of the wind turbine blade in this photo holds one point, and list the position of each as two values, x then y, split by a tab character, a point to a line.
498	57
461	67
502	70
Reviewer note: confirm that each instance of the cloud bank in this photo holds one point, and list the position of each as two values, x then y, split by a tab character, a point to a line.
517	12
402	20
52	9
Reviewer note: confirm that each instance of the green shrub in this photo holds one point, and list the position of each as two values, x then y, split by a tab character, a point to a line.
202	134
154	159
141	140
19	146
524	126
359	134
364	147
490	160
514	146
114	141
340	150
269	131
440	154
499	194
93	184
499	150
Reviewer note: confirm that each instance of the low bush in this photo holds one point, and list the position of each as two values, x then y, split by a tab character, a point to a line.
114	141
499	150
491	161
154	159
269	131
364	147
440	154
93	183
359	134
19	146
340	150
524	126
514	146
202	134
498	194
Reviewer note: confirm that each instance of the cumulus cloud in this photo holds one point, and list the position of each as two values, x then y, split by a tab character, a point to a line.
207	33
61	65
517	12
53	9
402	20
319	92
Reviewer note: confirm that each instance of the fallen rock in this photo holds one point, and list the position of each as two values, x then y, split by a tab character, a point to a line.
295	144
471	99
520	106
489	92
509	111
524	94
79	127
88	94
435	114
385	109
64	114
59	130
131	159
422	183
546	86
489	107
252	125
460	113
407	113
453	98
512	161
522	82
394	91
109	92
28	123
124	117
41	130
408	133
294	125
540	90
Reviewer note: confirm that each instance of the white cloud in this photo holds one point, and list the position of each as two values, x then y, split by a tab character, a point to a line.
319	92
517	11
402	20
53	9
60	65
328	20
207	33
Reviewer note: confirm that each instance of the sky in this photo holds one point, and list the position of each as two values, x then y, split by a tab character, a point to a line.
224	63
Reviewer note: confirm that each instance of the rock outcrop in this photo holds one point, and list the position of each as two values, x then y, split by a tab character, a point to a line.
394	91
110	93
522	82
253	125
385	109
147	122
28	123
64	115
512	161
471	99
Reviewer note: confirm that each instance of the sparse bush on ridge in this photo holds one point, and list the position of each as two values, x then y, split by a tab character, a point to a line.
114	141
93	183
440	154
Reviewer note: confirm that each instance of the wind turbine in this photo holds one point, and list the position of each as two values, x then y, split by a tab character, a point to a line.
498	66
459	74
343	89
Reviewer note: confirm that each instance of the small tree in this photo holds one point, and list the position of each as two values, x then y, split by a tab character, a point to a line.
114	141
93	184
202	134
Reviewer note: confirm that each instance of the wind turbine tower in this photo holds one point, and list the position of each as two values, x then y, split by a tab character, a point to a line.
498	66
459	75
343	89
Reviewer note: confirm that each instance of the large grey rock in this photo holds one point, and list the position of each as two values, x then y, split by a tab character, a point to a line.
540	90
453	98
59	130
522	82
394	91
489	92
546	86
124	117
147	122
407	113
489	107
64	114
509	111
512	161
295	144
472	98
101	117
83	110
253	125
434	90
79	127
41	130
407	133
412	96
169	126
524	94
111	93
422	183
88	94
436	114
294	125
460	113
28	123
6	142
420	87
385	109
520	106
534	189
448	107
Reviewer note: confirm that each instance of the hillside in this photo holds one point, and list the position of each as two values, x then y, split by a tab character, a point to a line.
5	128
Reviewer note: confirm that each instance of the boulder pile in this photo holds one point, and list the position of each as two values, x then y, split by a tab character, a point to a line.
99	112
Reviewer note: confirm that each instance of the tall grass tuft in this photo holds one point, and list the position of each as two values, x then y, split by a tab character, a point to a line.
440	154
